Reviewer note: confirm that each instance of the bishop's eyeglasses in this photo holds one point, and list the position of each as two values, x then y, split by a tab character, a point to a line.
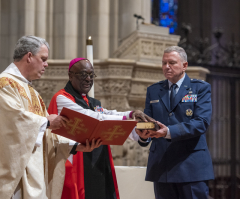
84	75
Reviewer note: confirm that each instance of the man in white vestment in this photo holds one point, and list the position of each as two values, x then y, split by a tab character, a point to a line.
33	159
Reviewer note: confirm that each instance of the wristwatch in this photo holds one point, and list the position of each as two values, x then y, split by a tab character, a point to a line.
48	123
73	151
144	140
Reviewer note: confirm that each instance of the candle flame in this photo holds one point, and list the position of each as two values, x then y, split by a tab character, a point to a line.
89	38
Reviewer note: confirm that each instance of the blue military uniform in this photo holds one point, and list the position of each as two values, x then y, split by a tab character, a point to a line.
185	157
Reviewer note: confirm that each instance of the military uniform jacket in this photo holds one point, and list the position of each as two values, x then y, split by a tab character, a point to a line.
185	157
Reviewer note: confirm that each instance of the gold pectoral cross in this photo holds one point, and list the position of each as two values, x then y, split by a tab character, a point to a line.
113	133
76	126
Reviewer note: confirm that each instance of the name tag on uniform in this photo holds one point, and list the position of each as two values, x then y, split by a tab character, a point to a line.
189	98
154	101
98	109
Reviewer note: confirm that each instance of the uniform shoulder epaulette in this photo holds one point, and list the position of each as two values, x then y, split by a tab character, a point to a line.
160	82
157	83
198	81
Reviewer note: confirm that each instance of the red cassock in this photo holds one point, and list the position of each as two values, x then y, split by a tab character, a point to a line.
74	178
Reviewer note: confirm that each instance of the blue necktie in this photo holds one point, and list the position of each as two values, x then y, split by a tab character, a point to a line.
172	95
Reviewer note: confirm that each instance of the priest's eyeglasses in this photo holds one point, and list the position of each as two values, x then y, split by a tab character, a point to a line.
84	75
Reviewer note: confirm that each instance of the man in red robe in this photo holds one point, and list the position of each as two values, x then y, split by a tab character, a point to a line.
89	175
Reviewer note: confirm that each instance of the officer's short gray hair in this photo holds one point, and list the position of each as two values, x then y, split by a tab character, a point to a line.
179	50
28	44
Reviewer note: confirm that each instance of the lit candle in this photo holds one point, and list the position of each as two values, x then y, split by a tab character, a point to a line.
90	58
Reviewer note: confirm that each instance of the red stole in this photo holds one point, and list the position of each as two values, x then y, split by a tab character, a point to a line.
73	187
85	99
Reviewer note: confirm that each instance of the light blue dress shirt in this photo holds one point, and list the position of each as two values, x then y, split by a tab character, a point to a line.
179	83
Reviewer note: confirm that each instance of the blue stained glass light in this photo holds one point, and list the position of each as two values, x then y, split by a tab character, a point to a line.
168	14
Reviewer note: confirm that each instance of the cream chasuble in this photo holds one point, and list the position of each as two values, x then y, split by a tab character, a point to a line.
39	170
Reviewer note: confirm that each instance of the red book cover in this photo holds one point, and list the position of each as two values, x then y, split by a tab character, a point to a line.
82	127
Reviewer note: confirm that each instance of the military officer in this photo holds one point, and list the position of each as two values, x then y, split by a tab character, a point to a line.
179	161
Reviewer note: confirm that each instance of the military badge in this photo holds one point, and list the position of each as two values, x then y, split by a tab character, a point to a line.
189	112
98	109
189	98
154	101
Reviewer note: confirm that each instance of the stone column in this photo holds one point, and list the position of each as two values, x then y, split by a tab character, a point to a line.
29	12
65	22
113	28
41	19
82	28
14	29
58	30
127	8
98	27
5	29
13	26
49	23
70	29
146	11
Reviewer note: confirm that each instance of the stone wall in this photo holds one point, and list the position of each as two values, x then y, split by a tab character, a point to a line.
66	26
146	44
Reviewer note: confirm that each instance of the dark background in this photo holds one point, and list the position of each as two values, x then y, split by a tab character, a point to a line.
210	34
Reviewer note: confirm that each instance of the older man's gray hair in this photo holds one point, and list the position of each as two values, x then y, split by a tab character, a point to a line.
179	50
28	44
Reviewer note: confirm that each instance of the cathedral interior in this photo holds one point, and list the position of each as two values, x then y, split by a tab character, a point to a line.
129	37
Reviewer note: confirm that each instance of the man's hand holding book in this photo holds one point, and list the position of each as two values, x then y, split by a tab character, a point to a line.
151	129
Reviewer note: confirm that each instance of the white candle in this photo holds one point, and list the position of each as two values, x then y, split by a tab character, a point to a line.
90	58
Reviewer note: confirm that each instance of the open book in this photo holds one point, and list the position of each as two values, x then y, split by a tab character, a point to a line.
82	127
